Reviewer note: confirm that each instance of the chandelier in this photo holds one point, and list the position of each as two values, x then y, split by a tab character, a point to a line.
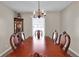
39	13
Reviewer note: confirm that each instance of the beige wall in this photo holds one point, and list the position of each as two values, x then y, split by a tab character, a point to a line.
52	22
27	23
6	27
70	23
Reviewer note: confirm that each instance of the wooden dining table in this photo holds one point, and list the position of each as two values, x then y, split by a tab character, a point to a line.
26	49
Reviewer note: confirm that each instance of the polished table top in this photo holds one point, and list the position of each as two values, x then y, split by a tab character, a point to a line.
26	49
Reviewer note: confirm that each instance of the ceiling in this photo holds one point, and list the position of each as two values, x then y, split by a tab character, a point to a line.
30	6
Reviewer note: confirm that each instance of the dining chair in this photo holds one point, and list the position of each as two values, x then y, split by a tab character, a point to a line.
38	34
67	44
12	37
64	42
58	40
21	35
55	36
15	40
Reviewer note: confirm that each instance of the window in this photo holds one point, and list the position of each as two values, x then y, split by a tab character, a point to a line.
38	25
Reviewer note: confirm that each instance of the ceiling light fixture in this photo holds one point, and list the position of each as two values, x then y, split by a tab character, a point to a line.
39	13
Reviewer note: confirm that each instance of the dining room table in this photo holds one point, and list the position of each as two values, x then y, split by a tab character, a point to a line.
26	49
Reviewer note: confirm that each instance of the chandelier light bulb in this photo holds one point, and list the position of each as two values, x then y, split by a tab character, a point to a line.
42	11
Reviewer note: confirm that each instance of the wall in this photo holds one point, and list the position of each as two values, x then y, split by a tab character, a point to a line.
27	23
52	22
6	27
70	23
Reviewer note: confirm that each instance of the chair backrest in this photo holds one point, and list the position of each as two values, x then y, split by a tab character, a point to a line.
12	37
15	40
38	34
55	36
65	42
58	40
21	35
62	41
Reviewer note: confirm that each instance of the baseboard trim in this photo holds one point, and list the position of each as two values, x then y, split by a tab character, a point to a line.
5	52
73	53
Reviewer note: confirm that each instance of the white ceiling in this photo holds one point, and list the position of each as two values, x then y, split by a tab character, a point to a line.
30	6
